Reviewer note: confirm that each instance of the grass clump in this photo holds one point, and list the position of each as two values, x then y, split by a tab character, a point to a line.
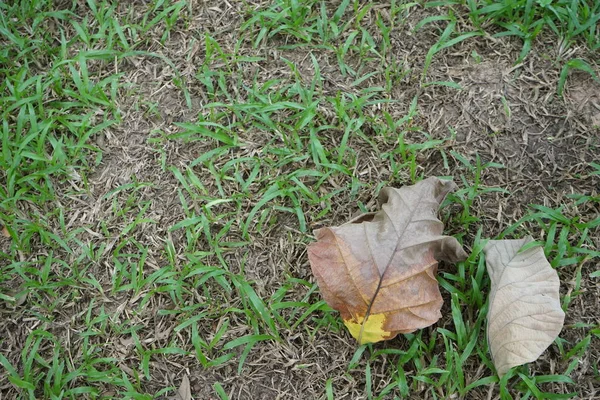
526	19
571	21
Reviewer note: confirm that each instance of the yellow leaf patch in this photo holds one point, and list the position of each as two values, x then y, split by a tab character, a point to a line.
373	330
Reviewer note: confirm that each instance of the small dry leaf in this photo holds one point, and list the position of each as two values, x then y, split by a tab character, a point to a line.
5	232
525	315
21	297
378	270
185	390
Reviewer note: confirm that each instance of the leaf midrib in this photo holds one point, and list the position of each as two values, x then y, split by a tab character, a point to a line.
400	236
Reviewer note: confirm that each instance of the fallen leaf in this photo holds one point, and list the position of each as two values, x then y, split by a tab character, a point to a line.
185	390
5	232
378	270
525	315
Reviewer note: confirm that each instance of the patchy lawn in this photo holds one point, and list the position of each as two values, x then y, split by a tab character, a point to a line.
164	165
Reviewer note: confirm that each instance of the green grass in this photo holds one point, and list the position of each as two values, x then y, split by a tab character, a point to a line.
570	21
278	156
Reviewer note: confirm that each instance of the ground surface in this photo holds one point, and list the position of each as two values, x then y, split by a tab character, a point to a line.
174	249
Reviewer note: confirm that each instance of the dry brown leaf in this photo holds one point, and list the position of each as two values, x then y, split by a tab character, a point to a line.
378	270
185	390
525	315
5	232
